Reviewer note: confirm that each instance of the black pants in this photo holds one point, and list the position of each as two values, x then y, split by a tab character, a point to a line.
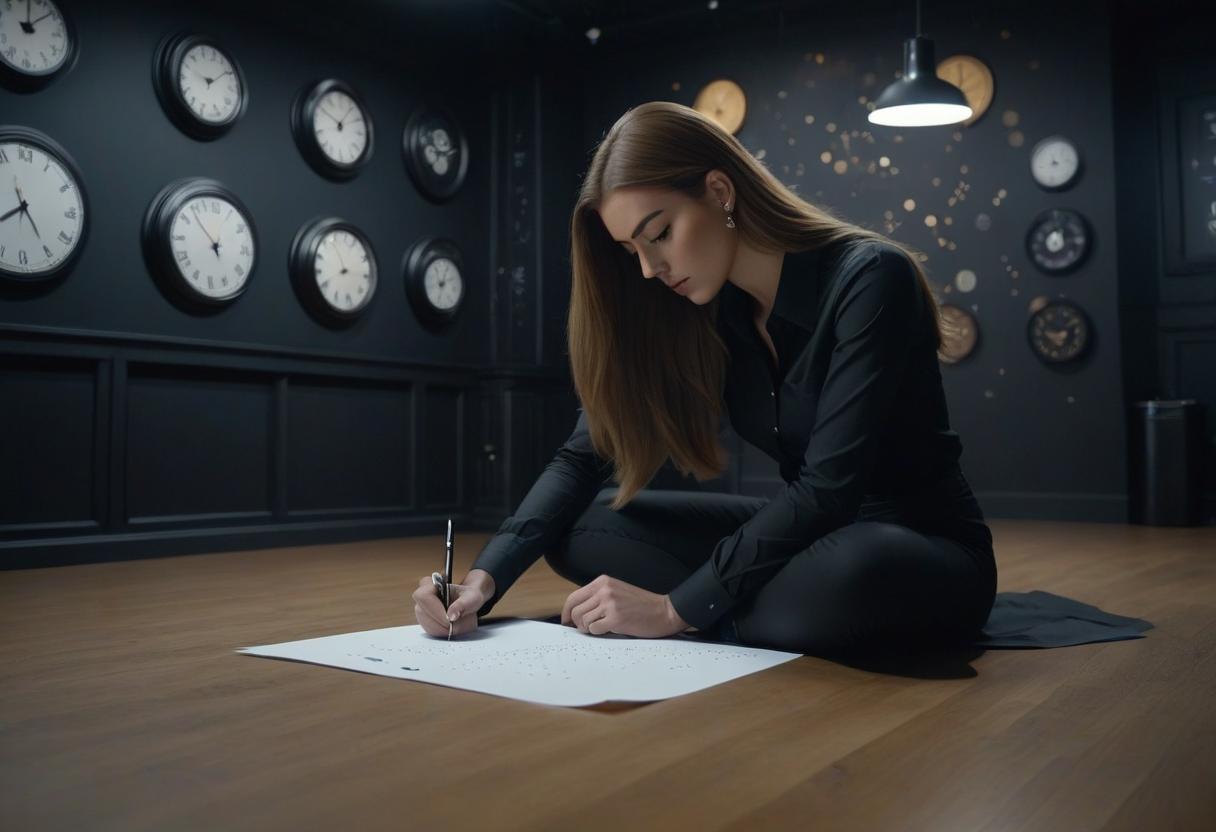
873	584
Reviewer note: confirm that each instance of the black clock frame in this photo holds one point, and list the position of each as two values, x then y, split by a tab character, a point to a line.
413	150
1039	220
157	227
25	82
301	265
302	109
166	68
1076	177
1081	313
13	132
414	265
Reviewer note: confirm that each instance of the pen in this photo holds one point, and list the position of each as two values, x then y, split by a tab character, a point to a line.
447	576
443	583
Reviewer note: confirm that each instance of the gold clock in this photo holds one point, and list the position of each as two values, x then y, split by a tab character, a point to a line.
960	332
723	101
973	77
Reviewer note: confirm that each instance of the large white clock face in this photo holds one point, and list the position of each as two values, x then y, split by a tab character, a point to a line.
443	283
1054	163
212	246
344	271
33	36
339	125
41	210
208	84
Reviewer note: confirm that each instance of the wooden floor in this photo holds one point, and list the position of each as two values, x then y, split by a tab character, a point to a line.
124	706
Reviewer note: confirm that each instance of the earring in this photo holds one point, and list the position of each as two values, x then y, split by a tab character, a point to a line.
730	220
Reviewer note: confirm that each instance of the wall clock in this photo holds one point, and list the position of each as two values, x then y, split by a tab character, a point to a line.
723	101
199	242
1055	163
333	128
436	153
1059	240
43	208
1059	332
960	332
973	77
37	44
333	268
200	86
434	280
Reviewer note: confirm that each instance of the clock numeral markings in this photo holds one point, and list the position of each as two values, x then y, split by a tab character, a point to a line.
64	238
245	252
25	154
65	187
3	158
183	218
239	270
50	253
70	213
21	258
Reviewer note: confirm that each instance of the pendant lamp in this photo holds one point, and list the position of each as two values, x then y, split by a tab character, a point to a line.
920	98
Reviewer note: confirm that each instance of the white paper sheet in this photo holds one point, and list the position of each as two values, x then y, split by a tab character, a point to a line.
550	664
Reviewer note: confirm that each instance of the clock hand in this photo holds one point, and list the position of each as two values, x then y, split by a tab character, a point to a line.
28	216
322	109
214	243
16	210
44	17
25	208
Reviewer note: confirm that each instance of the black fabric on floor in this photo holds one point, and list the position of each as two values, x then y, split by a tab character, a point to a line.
1043	619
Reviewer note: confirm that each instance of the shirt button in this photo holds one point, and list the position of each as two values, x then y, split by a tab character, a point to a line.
774	429
711	606
772	393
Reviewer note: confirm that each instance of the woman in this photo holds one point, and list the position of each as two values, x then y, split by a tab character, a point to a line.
700	280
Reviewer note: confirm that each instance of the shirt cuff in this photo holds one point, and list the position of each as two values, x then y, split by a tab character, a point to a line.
701	599
499	559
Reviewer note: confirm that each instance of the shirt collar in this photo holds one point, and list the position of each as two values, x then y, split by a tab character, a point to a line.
798	292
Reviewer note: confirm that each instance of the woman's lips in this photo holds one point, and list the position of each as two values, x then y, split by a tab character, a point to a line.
679	285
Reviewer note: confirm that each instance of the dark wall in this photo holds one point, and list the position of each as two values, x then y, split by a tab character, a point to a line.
1038	441
133	427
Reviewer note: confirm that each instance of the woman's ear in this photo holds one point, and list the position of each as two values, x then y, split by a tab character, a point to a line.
719	186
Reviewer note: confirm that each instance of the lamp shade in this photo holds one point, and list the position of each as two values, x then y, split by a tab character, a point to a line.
920	98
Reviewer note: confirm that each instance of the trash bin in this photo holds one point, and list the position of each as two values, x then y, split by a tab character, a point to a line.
1166	455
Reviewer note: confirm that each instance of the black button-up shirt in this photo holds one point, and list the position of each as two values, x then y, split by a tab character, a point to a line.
855	415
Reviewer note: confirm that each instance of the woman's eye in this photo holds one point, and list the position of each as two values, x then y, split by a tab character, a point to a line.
662	236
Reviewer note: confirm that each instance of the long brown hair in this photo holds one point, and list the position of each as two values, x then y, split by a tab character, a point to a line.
649	367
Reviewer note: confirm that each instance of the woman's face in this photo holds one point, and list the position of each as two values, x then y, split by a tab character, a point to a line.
682	241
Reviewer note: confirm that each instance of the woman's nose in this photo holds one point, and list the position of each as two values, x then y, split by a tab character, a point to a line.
647	270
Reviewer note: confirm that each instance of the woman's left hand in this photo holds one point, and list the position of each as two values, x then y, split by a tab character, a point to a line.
609	605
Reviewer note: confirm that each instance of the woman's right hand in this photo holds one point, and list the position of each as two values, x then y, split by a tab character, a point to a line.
466	600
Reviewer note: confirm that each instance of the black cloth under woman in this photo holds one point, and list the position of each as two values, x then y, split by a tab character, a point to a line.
875	538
